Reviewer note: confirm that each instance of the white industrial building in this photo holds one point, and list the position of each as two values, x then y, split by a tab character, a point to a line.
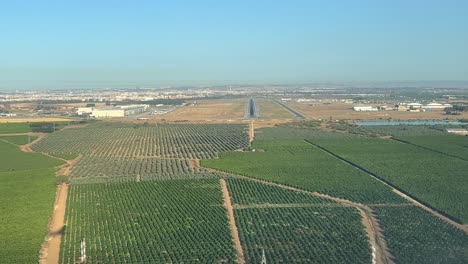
118	111
365	108
437	106
84	110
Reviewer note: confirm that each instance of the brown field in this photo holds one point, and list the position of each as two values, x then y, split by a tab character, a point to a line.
39	119
210	109
342	111
271	110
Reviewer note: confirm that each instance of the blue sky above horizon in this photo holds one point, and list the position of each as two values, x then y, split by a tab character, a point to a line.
111	43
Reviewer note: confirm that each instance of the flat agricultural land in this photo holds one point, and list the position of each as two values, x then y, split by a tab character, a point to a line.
39	119
210	109
27	190
203	193
268	109
341	111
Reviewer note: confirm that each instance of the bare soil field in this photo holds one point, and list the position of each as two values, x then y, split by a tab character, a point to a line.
340	111
210	109
39	119
271	110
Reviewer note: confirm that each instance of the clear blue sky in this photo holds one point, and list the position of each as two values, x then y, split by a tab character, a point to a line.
106	43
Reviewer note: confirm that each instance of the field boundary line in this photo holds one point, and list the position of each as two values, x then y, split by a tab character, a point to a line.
426	148
232	221
370	223
396	190
50	250
291	205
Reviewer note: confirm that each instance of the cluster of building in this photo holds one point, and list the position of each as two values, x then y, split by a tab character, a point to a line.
412	107
112	111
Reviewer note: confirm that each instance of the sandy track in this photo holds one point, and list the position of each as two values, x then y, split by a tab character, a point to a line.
307	205
194	165
65	169
251	132
50	250
232	222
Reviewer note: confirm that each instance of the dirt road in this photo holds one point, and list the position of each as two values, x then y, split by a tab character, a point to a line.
51	248
232	222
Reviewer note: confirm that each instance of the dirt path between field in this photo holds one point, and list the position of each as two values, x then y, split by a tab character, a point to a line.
232	222
27	147
251	132
380	252
194	165
65	169
306	205
396	191
50	250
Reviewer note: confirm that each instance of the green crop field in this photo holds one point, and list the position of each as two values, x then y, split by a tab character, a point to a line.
294	227
123	152
415	236
27	188
300	164
179	221
435	179
303	235
251	192
453	145
18	140
13	159
11	128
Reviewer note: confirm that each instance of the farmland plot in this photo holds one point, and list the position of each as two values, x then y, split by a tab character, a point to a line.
179	221
456	146
122	152
295	227
166	140
416	236
435	179
299	164
303	235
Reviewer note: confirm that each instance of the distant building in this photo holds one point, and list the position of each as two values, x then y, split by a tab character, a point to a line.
414	105
365	108
119	111
458	131
437	106
402	108
84	110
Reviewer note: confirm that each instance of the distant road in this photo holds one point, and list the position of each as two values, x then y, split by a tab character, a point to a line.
294	112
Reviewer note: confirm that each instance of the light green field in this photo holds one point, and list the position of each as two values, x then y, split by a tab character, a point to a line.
11	128
18	140
27	188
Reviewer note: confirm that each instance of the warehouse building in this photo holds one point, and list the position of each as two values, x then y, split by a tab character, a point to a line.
118	111
365	108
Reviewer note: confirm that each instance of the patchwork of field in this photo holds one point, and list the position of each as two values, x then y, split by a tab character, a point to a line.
300	164
27	190
435	179
126	152
342	111
210	109
201	193
411	233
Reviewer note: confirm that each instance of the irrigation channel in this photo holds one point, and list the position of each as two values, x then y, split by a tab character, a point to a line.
292	111
252	109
